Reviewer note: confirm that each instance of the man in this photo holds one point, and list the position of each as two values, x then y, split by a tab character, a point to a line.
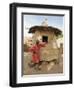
35	49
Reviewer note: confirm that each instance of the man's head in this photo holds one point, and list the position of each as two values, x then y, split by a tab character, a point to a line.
37	42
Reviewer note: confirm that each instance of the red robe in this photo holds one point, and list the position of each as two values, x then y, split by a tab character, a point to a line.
36	52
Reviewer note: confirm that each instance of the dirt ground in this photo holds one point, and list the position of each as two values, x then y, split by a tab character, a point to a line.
50	68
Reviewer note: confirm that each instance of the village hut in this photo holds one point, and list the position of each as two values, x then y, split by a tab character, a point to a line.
47	34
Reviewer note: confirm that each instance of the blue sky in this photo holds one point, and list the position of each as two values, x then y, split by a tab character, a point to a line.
32	20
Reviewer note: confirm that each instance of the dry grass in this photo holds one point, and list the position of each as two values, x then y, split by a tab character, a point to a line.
46	68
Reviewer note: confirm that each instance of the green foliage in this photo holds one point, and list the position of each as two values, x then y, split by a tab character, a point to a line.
26	47
59	36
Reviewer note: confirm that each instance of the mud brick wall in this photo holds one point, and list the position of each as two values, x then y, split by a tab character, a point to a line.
48	53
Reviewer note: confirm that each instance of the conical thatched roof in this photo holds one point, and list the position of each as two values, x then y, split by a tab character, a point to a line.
44	28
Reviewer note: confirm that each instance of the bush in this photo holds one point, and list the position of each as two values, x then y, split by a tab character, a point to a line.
26	47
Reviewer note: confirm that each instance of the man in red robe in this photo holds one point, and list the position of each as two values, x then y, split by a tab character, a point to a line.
35	49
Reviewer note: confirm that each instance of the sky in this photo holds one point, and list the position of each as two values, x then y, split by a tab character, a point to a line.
33	20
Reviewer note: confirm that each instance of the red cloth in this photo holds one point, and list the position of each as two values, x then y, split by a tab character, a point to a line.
36	52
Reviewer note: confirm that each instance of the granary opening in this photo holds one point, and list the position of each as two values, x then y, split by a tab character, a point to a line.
45	39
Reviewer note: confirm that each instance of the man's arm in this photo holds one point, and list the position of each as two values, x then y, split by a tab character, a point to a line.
42	44
31	49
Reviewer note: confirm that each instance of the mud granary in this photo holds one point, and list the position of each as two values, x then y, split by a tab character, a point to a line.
47	34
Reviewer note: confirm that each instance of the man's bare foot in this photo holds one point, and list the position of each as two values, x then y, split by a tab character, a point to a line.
31	64
37	67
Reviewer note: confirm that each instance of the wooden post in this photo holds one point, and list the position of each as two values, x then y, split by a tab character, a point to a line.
60	51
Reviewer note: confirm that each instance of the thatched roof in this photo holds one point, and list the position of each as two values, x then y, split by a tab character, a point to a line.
44	28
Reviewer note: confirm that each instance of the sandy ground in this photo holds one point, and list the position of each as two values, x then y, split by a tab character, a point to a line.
50	68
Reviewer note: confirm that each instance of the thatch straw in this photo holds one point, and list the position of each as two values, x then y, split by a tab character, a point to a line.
45	28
